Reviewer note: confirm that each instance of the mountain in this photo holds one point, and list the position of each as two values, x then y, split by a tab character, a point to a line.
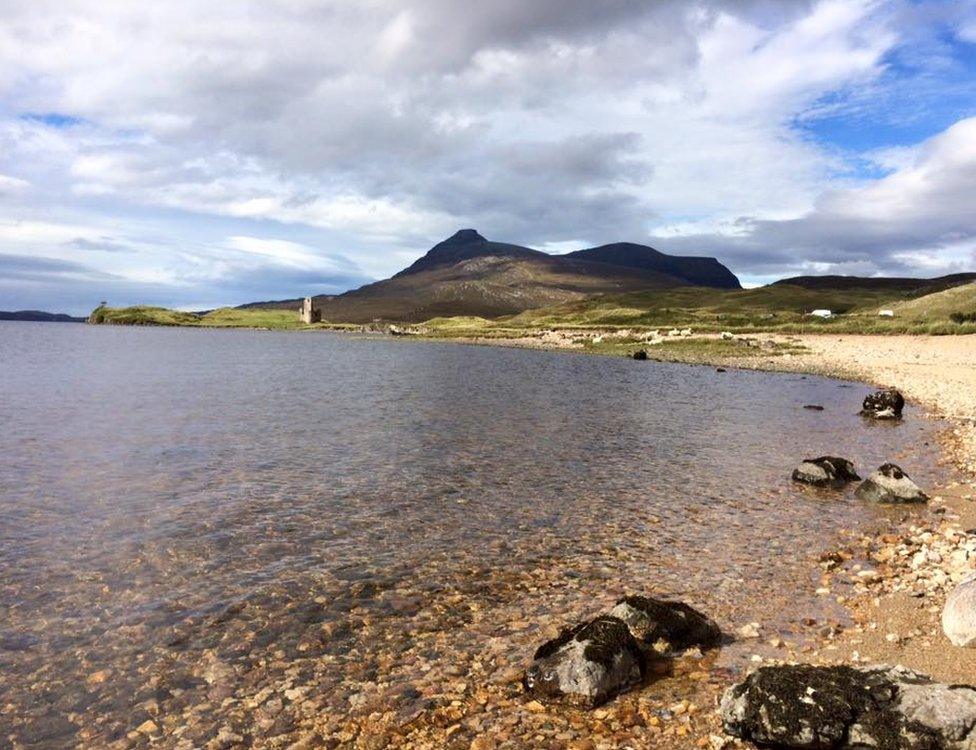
880	283
467	244
39	316
467	274
698	271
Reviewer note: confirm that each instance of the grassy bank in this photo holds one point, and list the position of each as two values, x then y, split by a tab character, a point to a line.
777	308
225	317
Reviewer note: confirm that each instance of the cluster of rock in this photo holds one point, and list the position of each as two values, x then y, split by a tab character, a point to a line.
593	661
889	483
889	708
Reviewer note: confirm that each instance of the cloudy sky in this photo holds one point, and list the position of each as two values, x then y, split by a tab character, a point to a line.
196	154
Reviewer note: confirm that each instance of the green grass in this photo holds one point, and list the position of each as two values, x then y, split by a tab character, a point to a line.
224	317
778	308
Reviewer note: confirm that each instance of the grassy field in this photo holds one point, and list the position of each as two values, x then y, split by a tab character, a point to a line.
225	317
779	308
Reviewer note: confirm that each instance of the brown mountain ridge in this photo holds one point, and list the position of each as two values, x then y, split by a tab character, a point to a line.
467	274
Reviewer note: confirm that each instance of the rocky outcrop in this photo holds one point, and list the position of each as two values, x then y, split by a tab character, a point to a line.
890	484
587	664
640	354
666	626
826	471
888	708
593	661
886	404
959	613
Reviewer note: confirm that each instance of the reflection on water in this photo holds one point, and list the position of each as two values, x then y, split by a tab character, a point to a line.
193	517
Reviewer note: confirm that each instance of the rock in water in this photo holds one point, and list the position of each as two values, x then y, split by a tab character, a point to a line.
959	613
640	354
587	664
666	626
813	407
890	484
888	708
826	470
885	404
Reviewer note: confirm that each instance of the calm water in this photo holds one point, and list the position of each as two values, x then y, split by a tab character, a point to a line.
190	517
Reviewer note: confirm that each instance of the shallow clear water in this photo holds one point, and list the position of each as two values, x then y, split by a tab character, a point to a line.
190	516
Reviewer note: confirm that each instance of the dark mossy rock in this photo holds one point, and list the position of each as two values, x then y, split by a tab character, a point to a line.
887	404
666	626
640	354
887	708
587	664
825	471
890	484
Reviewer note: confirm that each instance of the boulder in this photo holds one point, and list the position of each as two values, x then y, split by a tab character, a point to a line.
959	613
888	708
825	471
885	404
666	626
587	664
890	484
640	354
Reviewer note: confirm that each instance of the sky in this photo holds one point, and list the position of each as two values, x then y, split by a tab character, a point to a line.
199	154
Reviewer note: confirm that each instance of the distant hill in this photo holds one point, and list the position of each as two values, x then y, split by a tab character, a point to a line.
39	316
891	284
697	271
467	274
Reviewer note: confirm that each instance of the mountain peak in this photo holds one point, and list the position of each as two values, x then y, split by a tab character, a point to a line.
466	244
464	236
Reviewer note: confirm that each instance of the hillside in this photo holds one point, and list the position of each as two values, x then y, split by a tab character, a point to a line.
467	274
957	304
698	271
891	284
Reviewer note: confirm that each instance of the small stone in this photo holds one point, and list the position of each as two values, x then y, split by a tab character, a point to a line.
147	727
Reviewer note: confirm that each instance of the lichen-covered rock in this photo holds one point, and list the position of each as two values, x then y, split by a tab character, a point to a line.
890	484
959	613
587	664
888	708
824	471
887	404
666	626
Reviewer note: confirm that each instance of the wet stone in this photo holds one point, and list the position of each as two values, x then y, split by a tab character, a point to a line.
885	404
587	664
666	626
889	708
890	484
825	471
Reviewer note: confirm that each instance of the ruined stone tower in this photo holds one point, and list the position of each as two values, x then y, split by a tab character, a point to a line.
309	312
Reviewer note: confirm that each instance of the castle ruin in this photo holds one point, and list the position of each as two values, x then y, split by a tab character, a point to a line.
309	312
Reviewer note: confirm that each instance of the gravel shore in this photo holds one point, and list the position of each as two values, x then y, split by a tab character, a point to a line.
893	580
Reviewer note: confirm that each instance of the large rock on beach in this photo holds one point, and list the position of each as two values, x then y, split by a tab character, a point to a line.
588	664
666	626
886	404
825	471
890	484
888	708
959	613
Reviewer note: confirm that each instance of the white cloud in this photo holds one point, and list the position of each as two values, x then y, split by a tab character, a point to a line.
376	128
